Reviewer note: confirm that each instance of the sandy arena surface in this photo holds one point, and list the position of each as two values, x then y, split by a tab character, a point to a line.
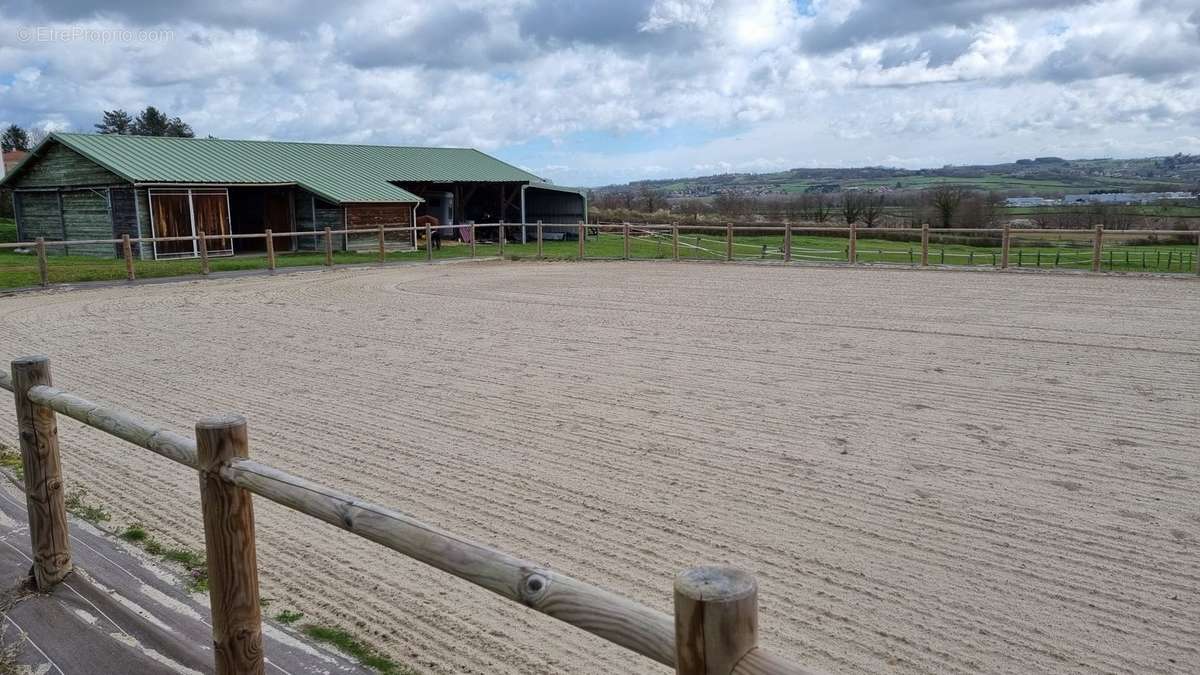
928	471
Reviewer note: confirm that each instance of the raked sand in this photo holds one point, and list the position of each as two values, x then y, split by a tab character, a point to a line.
927	471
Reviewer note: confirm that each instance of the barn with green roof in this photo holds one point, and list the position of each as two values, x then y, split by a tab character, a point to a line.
76	187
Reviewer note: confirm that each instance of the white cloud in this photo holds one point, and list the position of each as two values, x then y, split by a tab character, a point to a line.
752	85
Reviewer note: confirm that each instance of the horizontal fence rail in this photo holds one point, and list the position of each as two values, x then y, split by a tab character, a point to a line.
681	242
713	632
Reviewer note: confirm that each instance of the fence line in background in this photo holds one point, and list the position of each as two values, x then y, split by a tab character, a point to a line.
660	234
713	632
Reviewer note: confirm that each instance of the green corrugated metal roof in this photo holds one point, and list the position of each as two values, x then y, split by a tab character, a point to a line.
339	173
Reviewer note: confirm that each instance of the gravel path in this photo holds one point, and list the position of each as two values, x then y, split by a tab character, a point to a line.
928	471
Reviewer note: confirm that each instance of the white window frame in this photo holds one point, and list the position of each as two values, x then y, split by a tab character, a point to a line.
190	194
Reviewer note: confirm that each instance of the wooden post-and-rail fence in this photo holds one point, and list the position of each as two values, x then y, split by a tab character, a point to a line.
714	630
325	236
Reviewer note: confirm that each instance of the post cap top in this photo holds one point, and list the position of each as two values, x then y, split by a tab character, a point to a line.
223	421
26	360
715	583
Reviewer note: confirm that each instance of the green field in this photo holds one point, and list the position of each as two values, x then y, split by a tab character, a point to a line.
8	230
19	270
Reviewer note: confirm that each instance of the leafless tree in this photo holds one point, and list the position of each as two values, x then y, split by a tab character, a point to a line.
851	207
872	210
946	199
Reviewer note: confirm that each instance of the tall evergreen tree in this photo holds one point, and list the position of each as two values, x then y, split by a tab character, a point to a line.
14	138
115	122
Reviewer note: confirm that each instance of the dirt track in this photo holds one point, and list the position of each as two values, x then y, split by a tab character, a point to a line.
928	471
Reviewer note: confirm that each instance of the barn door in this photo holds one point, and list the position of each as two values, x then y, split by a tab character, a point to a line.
185	212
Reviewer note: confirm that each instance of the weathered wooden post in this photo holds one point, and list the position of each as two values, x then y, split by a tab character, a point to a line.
500	237
716	619
382	244
625	234
329	247
582	239
127	251
1005	243
472	226
675	241
1097	248
44	494
43	264
202	244
270	251
1196	258
728	241
428	242
229	546
852	249
787	241
925	245
539	236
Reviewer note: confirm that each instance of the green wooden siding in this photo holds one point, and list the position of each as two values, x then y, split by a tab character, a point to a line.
37	216
61	166
86	216
304	221
331	217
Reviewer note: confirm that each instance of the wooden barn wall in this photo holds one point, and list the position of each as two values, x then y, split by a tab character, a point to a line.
61	166
304	221
370	217
37	216
85	214
124	218
142	211
331	217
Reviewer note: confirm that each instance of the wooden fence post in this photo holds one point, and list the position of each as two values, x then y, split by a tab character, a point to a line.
728	241
127	251
582	239
852	249
625	234
1097	248
44	494
472	225
539	236
500	237
1196	258
229	546
787	241
428	242
716	619
43	264
270	250
329	247
925	245
382	245
1005	243
202	242
675	241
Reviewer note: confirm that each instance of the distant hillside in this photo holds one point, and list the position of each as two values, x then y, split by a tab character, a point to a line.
1048	176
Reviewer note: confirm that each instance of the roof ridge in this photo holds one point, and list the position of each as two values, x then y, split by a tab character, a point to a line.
285	142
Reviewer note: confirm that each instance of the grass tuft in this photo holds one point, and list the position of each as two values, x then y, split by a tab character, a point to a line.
77	504
288	617
364	653
11	459
135	533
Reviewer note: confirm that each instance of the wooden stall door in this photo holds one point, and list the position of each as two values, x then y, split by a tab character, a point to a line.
172	217
212	217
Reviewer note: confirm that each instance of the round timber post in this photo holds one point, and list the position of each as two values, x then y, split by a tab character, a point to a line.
229	546
45	498
716	619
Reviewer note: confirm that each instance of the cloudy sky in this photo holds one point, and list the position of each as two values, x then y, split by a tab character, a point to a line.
596	91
